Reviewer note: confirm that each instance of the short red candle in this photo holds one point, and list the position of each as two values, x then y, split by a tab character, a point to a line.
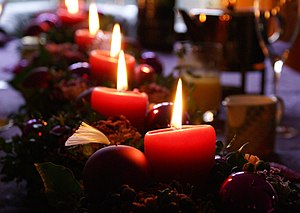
83	38
185	154
131	104
103	66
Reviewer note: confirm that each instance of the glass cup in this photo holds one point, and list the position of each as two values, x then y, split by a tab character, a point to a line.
2	5
199	67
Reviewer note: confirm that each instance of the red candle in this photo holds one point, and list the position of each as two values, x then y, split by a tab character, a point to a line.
103	66
113	102
71	13
104	63
185	153
84	38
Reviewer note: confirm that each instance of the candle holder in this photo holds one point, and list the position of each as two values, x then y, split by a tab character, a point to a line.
199	68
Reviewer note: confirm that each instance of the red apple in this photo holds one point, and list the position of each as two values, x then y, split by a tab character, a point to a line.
144	73
80	69
39	77
110	167
247	192
152	59
160	116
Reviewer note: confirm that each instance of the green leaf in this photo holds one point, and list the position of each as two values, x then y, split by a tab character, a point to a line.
60	184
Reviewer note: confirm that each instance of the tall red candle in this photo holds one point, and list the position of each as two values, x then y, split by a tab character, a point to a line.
84	38
103	63
113	102
185	153
103	66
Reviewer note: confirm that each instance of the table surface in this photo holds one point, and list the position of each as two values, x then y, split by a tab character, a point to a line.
287	150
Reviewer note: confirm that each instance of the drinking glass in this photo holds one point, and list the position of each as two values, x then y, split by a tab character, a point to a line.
277	25
2	5
199	65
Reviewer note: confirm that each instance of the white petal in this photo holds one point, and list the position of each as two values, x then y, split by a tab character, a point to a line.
87	134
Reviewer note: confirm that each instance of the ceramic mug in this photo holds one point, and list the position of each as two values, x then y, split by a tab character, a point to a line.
252	119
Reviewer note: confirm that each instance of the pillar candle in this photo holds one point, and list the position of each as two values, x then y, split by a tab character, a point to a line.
182	152
104	63
70	19
84	38
71	12
185	154
111	102
114	102
103	66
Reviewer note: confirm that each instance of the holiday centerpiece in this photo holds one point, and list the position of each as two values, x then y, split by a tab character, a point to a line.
76	158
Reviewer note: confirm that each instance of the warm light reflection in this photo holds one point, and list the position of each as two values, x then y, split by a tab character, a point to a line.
202	17
282	2
208	116
146	69
274	11
278	66
232	2
72	6
115	41
122	84
225	17
94	24
267	14
176	120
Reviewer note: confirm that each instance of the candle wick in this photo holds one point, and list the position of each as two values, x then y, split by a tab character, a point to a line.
175	127
122	90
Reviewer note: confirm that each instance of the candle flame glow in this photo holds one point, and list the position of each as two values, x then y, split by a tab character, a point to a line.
122	84
176	120
115	41
94	24
72	6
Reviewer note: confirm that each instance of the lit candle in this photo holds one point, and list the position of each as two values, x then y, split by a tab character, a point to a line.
71	13
104	63
113	102
182	152
84	38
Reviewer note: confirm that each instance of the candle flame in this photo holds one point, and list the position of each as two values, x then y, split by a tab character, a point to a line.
115	41
72	6
176	120
122	84
94	24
